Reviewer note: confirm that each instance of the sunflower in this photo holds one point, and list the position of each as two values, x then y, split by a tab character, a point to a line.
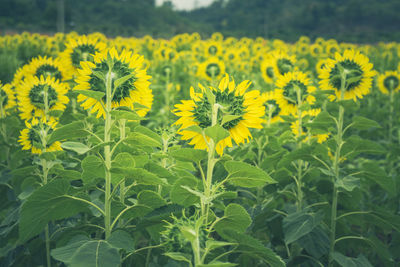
320	65
7	99
33	92
212	49
133	90
316	50
389	82
81	49
31	138
232	100
231	55
48	67
282	62
286	92
358	72
211	69
273	108
294	126
268	71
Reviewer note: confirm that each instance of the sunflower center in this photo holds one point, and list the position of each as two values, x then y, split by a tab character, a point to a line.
119	70
230	105
212	50
273	107
37	95
83	52
284	65
270	72
48	71
34	135
353	71
213	70
391	82
289	90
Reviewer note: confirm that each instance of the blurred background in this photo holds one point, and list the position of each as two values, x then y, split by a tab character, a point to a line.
361	21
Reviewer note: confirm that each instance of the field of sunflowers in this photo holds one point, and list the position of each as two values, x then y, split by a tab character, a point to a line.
198	152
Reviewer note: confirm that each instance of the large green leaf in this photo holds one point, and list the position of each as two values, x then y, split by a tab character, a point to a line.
245	175
189	154
126	114
216	133
142	176
362	123
93	94
345	261
70	131
151	199
75	146
49	202
253	247
122	240
235	218
93	168
87	253
181	196
298	224
316	242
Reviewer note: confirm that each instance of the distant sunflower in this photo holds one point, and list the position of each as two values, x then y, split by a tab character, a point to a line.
320	65
33	92
134	90
31	137
81	49
233	100
48	67
282	62
7	99
287	86
294	126
268	71
316	50
212	49
389	81
212	68
273	108
358	71
231	55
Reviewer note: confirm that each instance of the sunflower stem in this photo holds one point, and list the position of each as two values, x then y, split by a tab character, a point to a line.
122	130
300	162
107	155
336	168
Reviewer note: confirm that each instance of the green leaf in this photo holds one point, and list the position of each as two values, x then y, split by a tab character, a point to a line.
354	145
75	146
180	195
216	133
140	139
151	199
179	257
144	177
122	240
194	128
88	253
253	248
362	123
345	261
189	154
93	168
245	175
125	114
210	96
93	94
316	242
49	202
323	121
228	118
372	171
348	183
235	218
70	131
298	224
217	264
212	244
123	79
124	160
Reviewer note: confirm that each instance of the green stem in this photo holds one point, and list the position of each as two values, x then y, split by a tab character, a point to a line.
299	143
336	169
166	95
196	252
107	155
122	130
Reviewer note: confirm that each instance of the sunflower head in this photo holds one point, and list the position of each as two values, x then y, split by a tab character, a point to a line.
36	131
48	67
7	99
211	69
282	62
304	133
244	110
36	96
268	71
389	82
128	79
273	108
293	89
351	73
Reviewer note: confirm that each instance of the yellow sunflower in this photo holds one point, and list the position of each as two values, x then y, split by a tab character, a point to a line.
212	49
211	69
268	71
31	138
273	109
7	99
294	126
282	62
389	82
232	100
80	49
287	87
34	94
316	50
358	72
48	67
134	90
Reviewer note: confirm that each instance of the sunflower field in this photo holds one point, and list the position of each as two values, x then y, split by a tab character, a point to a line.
198	152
